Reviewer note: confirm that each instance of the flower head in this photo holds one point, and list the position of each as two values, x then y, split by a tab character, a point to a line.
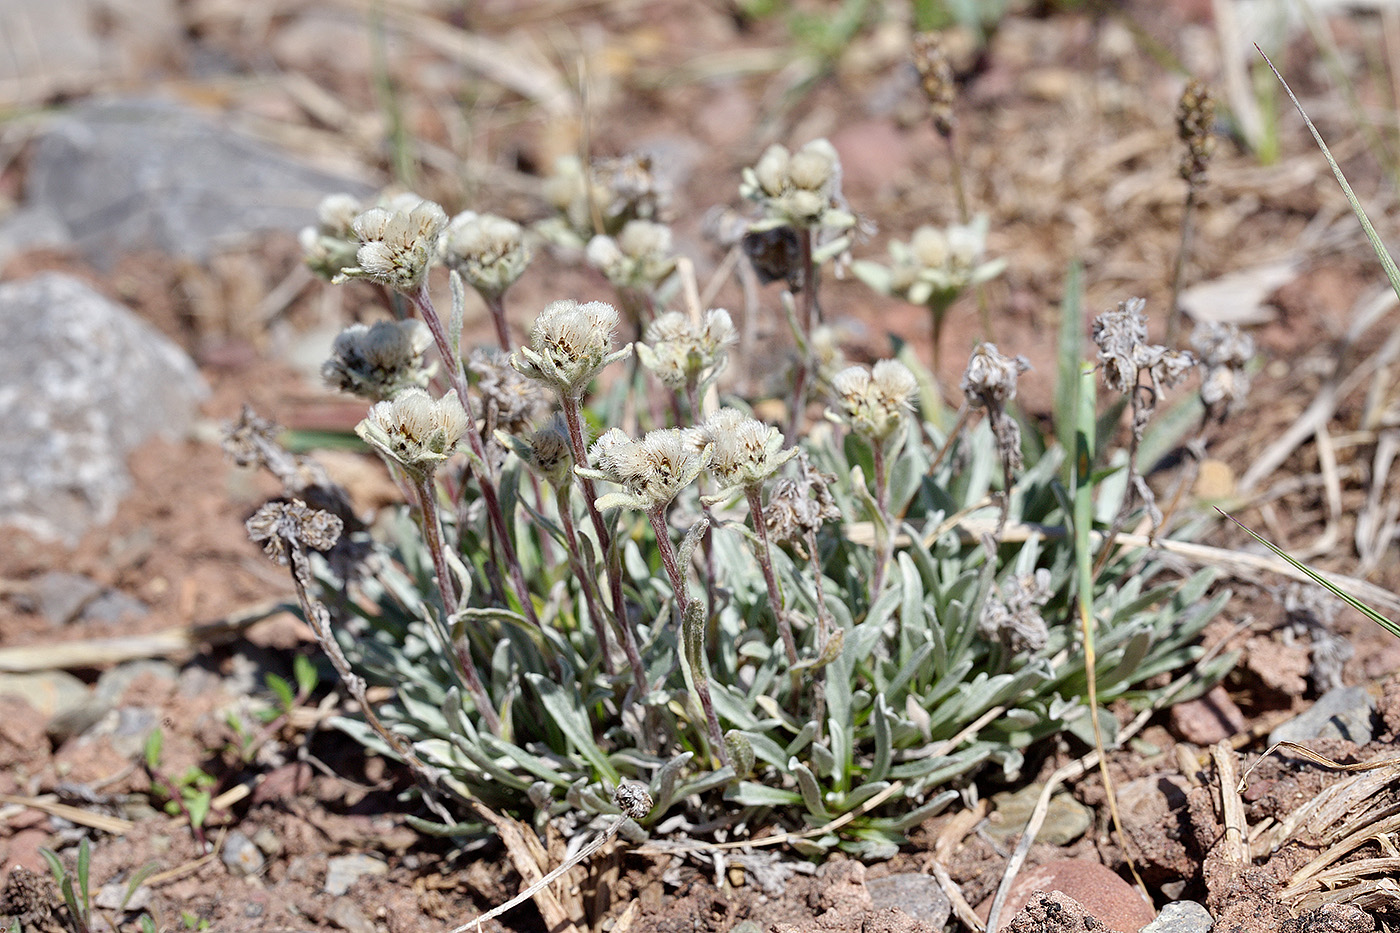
651	470
935	266
618	190
682	352
569	344
1124	352
1011	615
1225	353
330	246
991	376
640	257
397	244
746	451
545	450
489	252
801	189
873	401
509	400
378	361
416	430
799	506
281	527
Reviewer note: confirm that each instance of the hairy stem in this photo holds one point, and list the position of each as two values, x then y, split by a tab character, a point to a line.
611	555
807	313
765	560
478	461
585	579
497	306
461	652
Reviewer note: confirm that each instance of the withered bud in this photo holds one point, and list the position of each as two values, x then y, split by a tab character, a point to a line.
1195	116
936	79
281	527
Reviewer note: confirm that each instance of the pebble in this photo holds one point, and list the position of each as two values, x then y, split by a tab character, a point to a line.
114	606
51	693
113	683
348	916
1066	819
1181	917
918	895
1343	713
344	870
63	596
241	856
1208	719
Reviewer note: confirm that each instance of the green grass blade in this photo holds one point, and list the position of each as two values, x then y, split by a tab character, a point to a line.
1391	272
1391	627
1068	352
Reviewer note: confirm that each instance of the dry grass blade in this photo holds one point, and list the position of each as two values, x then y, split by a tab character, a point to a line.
108	824
1231	805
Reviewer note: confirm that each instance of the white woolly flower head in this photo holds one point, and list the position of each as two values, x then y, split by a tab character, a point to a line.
991	376
641	256
683	352
746	451
545	450
799	189
873	401
330	246
651	470
570	343
379	360
488	251
397	243
936	265
416	430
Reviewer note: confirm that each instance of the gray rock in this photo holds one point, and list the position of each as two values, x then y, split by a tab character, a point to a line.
96	382
344	870
125	730
918	895
1181	917
113	896
1344	713
31	227
51	693
114	606
1065	821
344	914
63	596
114	682
134	174
240	856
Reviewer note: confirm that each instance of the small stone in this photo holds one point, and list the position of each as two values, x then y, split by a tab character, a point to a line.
1344	713
346	915
1054	912
1181	917
1337	918
344	870
1066	819
1208	719
114	606
267	842
63	596
1100	891
241	856
51	693
113	896
920	896
113	684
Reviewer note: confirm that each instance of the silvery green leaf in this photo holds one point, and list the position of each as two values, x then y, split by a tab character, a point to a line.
914	817
663	784
823	759
573	722
767	750
876	276
881	717
707	782
750	794
741	752
533	764
692	538
455	317
810	790
874	848
432	828
802	740
862	793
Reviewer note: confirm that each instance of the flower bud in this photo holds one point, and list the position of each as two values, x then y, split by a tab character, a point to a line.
397	244
569	344
489	252
415	430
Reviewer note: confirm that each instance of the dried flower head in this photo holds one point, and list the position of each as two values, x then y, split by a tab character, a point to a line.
569	344
251	439
682	352
936	79
746	451
799	506
397	244
1195	118
1011	614
489	252
991	376
873	401
510	401
610	191
935	266
640	257
281	527
801	189
1124	353
330	246
1225	353
416	430
651	470
380	360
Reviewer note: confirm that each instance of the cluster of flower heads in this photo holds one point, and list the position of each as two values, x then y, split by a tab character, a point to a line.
488	251
416	430
652	470
1124	353
601	197
799	506
1011	614
683	352
799	189
935	266
640	257
746	452
873	401
570	343
380	360
398	244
